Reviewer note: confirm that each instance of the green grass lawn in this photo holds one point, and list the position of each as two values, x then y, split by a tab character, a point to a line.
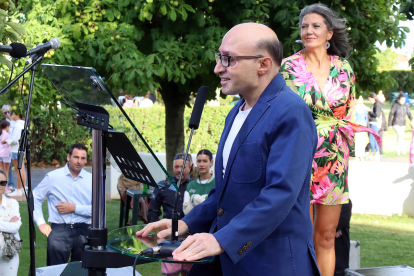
112	222
385	240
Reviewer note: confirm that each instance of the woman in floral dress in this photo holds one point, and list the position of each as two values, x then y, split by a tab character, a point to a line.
320	74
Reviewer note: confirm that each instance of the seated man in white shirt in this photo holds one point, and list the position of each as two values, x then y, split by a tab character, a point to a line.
69	197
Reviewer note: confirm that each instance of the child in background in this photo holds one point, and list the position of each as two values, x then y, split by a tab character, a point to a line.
5	153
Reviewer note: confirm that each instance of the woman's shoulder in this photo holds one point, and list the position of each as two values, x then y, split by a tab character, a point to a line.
344	63
292	57
12	201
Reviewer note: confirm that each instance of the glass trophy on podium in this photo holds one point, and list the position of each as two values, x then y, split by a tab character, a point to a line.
85	92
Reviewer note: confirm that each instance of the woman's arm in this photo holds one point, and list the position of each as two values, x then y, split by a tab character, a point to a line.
12	227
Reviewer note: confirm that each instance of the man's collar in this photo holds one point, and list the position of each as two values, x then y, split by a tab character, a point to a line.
67	171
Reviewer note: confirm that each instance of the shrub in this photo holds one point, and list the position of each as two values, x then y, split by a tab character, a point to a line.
52	135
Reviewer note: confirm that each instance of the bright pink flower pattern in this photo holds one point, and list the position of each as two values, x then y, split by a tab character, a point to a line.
335	142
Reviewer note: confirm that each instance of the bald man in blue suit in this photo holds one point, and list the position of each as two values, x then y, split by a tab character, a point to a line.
256	220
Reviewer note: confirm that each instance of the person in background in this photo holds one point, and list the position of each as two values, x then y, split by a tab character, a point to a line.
375	121
125	184
146	102
361	118
342	240
6	111
10	223
164	197
397	120
5	153
17	117
198	189
384	125
69	199
321	74
128	101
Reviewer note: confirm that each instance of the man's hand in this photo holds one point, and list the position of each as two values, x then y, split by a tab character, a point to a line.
66	207
164	226
14	219
197	247
3	142
45	229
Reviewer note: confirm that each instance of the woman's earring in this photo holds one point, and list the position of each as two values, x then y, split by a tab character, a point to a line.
327	45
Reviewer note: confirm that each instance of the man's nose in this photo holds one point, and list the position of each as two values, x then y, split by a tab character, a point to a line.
219	67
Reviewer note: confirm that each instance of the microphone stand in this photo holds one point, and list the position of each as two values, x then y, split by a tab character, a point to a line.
167	247
25	146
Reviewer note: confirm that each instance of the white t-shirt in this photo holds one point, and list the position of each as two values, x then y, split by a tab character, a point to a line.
235	128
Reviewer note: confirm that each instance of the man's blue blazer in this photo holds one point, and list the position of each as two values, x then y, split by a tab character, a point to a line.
259	210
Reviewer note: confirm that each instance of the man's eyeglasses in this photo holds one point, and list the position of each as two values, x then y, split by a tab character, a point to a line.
3	183
6	112
231	61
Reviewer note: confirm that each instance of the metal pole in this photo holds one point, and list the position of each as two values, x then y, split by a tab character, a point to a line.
98	181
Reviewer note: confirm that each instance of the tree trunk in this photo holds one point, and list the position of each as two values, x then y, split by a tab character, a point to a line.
175	102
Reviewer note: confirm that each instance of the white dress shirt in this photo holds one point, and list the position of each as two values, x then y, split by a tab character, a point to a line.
235	128
59	185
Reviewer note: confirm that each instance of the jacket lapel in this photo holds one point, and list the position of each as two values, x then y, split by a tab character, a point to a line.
252	119
226	131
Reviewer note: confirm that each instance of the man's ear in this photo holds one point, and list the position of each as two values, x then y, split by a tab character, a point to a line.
68	157
265	65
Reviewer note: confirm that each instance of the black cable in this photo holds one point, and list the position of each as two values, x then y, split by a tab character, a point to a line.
11	74
135	263
21	92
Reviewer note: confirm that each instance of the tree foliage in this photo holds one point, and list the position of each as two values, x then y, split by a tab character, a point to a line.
169	45
386	60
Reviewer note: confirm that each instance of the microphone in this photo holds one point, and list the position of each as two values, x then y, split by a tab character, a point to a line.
198	107
16	50
166	248
33	56
54	43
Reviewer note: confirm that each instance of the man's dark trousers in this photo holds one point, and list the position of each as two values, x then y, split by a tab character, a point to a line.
63	242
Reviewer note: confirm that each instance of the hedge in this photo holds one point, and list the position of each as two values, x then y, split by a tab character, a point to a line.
52	135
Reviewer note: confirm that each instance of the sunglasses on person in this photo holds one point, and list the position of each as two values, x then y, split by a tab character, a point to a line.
3	183
6	112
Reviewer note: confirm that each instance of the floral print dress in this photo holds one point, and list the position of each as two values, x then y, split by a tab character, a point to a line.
333	111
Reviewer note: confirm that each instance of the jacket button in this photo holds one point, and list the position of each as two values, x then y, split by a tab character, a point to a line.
220	212
244	248
240	251
249	243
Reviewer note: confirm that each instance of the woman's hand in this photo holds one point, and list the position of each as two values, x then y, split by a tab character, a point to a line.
14	219
3	142
412	124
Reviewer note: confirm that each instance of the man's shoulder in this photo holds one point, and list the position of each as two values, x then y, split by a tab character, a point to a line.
57	172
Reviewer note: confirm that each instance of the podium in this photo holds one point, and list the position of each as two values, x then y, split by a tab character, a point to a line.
83	90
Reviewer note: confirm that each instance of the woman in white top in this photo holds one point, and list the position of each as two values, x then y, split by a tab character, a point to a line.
14	147
10	222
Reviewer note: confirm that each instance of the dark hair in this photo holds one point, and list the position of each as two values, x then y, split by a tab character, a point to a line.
401	95
128	97
4	124
78	146
206	152
339	43
18	114
274	47
181	155
374	96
